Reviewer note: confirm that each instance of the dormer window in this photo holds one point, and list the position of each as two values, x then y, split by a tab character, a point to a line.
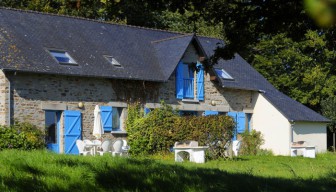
62	57
112	60
223	74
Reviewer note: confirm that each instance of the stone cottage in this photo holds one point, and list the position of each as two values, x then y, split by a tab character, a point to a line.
55	69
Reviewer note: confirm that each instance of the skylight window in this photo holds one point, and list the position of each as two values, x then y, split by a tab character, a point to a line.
62	57
223	74
112	60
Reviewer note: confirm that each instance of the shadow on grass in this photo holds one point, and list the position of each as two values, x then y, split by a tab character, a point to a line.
149	175
152	176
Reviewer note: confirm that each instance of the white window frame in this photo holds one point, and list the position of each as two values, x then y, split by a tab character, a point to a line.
63	54
223	74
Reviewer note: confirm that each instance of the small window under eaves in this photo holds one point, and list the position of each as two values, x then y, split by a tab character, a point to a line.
112	60
62	57
223	74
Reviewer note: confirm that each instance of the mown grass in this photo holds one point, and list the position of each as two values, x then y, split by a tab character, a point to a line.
45	171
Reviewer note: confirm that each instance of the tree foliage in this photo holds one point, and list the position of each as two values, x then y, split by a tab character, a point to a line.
305	70
162	127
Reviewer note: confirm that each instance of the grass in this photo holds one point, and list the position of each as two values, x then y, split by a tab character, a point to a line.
45	171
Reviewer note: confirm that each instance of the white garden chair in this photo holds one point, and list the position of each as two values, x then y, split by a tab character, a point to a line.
82	149
106	147
117	147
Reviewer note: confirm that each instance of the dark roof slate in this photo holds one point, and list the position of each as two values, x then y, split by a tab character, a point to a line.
86	41
145	54
170	51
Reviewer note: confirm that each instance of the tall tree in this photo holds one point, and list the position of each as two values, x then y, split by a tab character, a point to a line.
304	70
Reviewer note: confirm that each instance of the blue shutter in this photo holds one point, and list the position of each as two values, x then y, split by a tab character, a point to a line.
200	82
146	111
72	131
240	122
206	113
179	80
234	116
106	115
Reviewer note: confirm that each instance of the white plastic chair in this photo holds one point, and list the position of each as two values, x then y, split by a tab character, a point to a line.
106	147
81	148
97	142
117	147
87	141
235	147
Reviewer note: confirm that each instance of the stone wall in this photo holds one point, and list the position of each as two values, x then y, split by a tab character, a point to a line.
31	91
4	99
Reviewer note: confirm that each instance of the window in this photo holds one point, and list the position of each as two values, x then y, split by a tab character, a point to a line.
188	84
223	74
189	113
112	118
112	60
62	57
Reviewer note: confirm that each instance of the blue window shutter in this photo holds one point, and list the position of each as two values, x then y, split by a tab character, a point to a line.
106	115
72	131
240	122
206	113
146	111
179	80
200	82
234	116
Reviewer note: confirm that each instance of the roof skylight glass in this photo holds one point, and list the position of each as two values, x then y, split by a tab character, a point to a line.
223	74
112	60
62	57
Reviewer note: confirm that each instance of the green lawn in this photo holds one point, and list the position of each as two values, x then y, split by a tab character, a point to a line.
45	171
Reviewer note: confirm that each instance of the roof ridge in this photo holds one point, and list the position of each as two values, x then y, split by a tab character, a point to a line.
171	38
88	19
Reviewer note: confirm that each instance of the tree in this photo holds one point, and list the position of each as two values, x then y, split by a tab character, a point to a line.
329	110
304	70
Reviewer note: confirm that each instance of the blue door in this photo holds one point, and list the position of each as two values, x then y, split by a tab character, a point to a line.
52	122
72	131
239	118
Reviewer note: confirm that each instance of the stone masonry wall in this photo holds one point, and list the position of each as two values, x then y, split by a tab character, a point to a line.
29	91
4	99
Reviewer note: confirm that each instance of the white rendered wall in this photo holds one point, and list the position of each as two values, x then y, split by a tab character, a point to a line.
273	125
315	134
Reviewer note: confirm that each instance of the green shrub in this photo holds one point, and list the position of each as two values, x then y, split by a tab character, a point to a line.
251	142
161	128
21	136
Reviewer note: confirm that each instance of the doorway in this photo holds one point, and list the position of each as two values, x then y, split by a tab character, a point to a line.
52	124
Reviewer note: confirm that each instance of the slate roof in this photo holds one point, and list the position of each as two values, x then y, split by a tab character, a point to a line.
145	54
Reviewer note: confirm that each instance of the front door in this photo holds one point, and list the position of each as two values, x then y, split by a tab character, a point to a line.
52	123
72	131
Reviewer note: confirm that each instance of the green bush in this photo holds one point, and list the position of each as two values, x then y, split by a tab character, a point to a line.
161	128
21	136
251	142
